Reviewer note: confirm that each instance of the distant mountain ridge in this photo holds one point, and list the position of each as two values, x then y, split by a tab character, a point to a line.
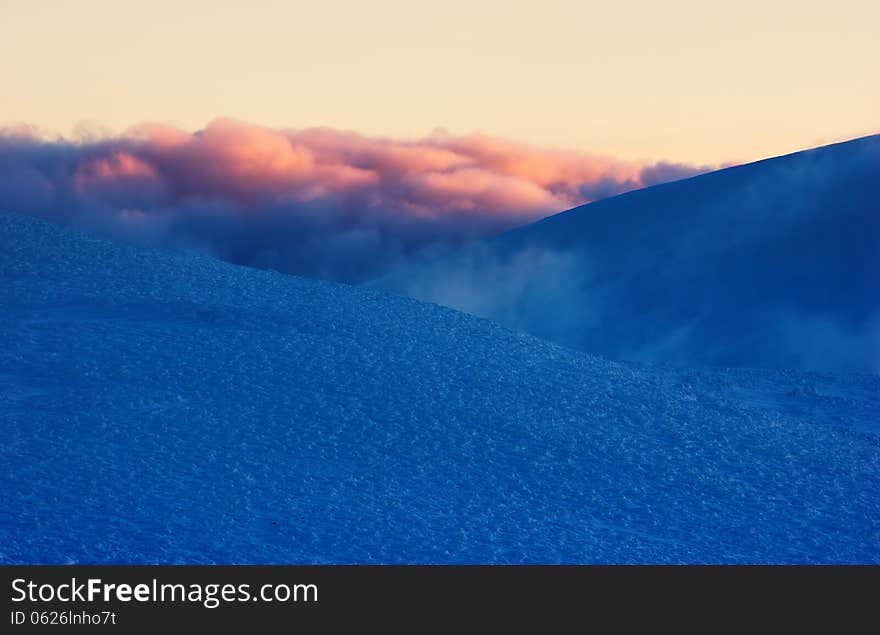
771	264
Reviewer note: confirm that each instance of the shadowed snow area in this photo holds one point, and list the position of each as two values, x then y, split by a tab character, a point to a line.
772	264
163	407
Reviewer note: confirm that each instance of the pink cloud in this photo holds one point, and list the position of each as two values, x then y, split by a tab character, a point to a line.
385	156
119	165
261	195
247	163
475	189
558	170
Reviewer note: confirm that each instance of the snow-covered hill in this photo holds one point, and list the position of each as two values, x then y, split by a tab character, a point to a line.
167	407
772	264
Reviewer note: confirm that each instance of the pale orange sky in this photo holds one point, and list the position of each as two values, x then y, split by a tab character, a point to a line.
702	82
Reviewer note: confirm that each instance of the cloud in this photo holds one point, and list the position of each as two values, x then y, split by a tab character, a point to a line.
771	264
664	171
317	202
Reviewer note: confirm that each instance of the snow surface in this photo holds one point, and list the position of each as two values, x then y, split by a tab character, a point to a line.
773	264
163	407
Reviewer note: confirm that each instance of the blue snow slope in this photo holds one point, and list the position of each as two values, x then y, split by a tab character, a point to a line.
773	264
162	407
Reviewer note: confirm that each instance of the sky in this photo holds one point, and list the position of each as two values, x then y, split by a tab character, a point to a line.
680	81
343	139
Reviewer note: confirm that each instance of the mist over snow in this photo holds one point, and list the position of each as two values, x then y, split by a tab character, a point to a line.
316	202
771	264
